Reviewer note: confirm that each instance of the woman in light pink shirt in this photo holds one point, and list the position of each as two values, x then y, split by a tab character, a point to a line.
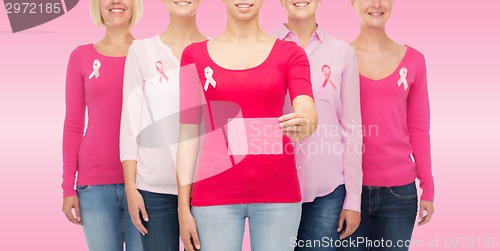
94	82
329	162
395	114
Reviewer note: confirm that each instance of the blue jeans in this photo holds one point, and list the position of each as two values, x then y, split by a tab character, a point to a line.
106	221
273	226
319	223
163	224
387	219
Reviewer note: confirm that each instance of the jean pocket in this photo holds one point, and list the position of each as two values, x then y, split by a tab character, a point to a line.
404	192
82	188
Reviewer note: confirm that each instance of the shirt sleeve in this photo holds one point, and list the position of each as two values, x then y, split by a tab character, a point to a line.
132	106
419	127
190	93
350	122
299	72
74	122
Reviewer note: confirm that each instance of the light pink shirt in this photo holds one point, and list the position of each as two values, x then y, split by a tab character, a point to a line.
332	155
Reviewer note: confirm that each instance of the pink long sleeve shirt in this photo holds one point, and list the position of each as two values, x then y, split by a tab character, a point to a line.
332	155
94	83
396	123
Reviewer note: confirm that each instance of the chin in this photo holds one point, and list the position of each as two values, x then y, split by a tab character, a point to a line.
301	16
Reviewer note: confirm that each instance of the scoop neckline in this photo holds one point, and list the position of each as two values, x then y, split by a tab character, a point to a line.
247	69
395	70
105	56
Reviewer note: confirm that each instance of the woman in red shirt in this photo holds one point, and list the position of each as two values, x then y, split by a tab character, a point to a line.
237	83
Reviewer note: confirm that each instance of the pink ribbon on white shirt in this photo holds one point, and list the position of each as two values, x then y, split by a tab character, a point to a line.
160	68
95	67
327	72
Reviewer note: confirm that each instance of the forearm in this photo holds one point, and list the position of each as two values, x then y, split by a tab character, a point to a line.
130	172
187	153
184	197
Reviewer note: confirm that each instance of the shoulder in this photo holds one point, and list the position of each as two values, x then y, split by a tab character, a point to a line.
82	50
142	44
80	53
195	48
415	59
197	45
288	49
284	46
415	55
340	46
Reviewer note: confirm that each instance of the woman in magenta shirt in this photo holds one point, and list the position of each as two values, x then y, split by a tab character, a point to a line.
94	83
237	83
395	115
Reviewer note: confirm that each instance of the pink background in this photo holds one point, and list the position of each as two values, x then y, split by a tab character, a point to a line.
459	39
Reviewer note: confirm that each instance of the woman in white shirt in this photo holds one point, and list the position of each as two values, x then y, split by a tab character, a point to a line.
150	125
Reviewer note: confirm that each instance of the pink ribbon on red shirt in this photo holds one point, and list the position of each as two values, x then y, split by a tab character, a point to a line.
327	72
160	68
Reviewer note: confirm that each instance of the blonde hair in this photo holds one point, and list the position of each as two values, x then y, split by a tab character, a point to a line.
95	12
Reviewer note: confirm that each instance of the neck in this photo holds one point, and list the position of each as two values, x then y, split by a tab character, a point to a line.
117	35
303	28
242	30
373	38
181	30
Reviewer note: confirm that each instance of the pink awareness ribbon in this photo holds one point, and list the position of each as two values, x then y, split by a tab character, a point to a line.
160	68
403	73
327	72
95	69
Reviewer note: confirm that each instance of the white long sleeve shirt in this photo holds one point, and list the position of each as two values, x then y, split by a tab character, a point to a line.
150	121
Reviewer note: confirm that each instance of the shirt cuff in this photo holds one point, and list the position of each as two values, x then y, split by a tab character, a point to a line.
352	202
69	192
427	195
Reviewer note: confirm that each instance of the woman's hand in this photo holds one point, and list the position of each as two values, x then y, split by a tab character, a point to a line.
136	208
189	234
301	123
352	220
294	125
70	203
428	207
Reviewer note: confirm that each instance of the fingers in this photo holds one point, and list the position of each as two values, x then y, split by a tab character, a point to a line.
195	239
295	122
349	230
429	209
188	242
290	116
424	220
77	213
68	212
341	222
421	214
136	220
144	213
292	129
